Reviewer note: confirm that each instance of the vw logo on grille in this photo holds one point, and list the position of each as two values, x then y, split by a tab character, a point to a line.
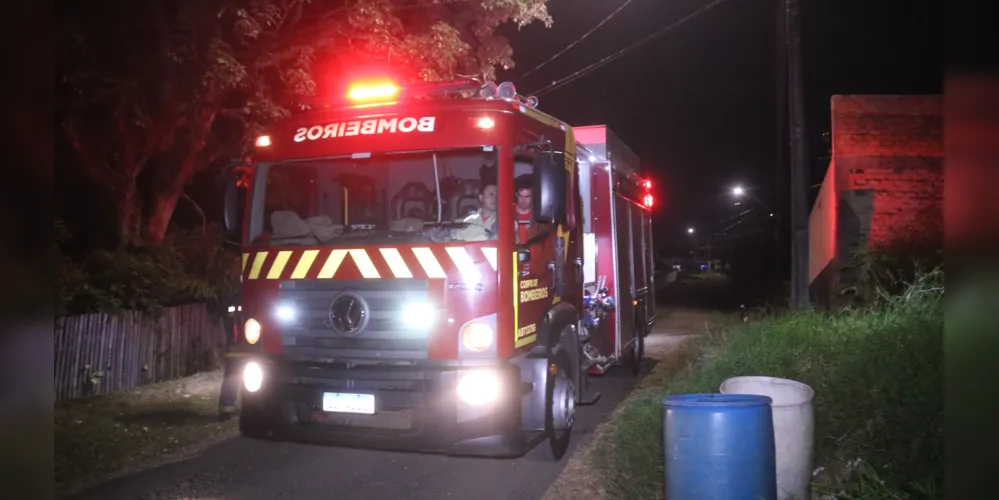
348	314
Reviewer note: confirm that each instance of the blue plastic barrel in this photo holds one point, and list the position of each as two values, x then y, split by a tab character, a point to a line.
719	446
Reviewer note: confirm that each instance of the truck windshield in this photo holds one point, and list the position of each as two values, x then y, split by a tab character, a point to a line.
433	196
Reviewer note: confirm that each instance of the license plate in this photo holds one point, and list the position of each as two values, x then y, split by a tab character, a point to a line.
349	403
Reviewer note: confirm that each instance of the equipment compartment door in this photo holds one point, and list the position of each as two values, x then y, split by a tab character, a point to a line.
650	267
625	273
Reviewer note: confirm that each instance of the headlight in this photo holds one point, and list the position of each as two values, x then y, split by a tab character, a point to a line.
479	387
251	331
285	313
419	315
253	376
477	336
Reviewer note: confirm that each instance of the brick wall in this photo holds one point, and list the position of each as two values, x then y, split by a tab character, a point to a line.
887	170
893	146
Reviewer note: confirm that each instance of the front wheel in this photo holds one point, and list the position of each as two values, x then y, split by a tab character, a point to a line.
560	398
253	422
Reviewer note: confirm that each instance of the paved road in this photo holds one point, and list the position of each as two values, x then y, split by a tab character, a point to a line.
244	469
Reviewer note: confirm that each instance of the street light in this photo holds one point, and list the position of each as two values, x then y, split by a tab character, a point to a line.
739	192
690	230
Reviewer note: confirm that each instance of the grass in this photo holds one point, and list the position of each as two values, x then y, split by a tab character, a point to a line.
99	437
877	373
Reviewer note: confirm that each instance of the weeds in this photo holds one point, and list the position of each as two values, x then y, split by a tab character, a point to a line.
108	434
877	373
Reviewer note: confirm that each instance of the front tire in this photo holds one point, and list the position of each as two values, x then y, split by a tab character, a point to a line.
253	422
560	399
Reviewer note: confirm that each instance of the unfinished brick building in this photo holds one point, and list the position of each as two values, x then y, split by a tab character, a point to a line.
884	185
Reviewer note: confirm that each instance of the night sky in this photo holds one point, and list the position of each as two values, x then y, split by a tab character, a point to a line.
700	105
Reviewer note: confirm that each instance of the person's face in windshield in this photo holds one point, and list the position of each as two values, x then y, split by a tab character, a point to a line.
524	200
488	198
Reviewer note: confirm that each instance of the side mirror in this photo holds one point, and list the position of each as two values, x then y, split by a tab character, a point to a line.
232	204
549	188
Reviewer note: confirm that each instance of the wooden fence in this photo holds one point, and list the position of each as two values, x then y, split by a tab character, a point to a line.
102	353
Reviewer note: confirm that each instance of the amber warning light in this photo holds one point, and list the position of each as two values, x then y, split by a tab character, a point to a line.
373	92
263	141
485	122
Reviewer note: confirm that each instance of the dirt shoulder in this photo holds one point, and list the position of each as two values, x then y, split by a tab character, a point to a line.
670	344
107	436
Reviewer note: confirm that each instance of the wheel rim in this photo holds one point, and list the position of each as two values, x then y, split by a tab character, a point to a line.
563	404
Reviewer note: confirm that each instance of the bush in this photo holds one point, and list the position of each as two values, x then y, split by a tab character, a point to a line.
877	373
189	267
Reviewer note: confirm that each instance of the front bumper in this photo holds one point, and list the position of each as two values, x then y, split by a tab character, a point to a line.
416	408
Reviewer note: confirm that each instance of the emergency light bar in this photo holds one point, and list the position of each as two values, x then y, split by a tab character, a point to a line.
385	92
377	92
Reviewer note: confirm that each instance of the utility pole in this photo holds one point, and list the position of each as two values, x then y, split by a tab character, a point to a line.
780	267
799	159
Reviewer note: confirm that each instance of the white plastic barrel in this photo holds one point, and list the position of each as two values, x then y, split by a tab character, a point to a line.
794	425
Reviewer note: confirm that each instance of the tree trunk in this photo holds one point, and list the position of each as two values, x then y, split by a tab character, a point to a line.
159	219
165	199
129	215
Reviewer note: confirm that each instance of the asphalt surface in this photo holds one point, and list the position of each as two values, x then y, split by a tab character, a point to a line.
244	469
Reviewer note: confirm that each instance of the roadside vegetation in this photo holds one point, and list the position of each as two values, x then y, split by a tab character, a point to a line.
103	436
876	367
189	266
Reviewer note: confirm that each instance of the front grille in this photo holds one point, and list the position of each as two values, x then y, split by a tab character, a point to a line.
404	396
383	334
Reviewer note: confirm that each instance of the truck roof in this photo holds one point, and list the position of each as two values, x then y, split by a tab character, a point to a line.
604	143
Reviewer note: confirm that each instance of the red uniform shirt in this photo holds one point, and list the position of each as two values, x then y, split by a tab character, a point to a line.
523	223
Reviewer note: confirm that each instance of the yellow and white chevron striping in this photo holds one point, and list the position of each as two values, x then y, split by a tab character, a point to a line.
419	262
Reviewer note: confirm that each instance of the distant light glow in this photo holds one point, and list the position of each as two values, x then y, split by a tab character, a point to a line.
738	191
690	230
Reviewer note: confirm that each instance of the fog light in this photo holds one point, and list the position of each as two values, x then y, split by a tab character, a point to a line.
253	376
479	388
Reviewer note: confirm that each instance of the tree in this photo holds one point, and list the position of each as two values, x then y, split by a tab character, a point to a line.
167	87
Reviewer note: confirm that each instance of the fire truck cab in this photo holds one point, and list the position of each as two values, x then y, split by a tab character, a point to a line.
436	268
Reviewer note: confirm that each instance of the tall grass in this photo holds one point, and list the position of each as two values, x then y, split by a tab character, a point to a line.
877	373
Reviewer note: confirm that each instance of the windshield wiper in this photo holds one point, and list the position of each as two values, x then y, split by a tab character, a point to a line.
446	224
260	239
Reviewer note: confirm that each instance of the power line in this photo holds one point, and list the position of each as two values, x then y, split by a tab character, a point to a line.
573	44
606	60
737	236
740	214
740	220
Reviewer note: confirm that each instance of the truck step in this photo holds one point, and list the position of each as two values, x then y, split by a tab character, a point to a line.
587	398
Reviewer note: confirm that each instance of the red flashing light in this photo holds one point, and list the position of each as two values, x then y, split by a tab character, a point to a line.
373	92
647	184
648	200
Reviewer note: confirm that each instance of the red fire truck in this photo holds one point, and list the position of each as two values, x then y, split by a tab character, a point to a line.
437	267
